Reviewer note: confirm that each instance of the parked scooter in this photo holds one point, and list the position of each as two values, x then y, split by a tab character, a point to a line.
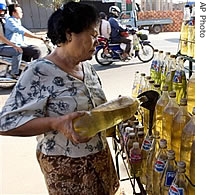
140	47
6	81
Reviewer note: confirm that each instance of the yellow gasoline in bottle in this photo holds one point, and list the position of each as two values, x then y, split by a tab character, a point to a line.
191	93
181	118
160	105
192	170
168	114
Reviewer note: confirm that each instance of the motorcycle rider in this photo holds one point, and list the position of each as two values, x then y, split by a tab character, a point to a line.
116	29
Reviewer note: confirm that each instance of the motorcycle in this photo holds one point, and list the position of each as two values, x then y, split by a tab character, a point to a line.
107	53
6	81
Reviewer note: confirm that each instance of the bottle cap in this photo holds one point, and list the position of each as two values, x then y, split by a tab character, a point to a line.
155	50
132	134
151	81
183	102
172	94
171	154
136	144
168	53
148	77
140	133
165	88
143	74
173	56
193	111
181	164
156	85
160	51
163	143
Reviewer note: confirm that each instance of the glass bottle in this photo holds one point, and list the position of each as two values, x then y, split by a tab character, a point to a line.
159	166
160	105
157	88
159	67
170	71
169	173
168	114
164	69
142	83
180	182
179	81
154	64
187	138
181	118
145	150
150	162
147	82
191	93
135	87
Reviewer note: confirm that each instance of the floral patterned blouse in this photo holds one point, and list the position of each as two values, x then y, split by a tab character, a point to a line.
46	90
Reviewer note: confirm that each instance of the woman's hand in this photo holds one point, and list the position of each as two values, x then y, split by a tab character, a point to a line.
64	124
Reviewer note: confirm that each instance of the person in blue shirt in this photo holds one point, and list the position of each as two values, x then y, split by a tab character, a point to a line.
116	29
15	32
7	48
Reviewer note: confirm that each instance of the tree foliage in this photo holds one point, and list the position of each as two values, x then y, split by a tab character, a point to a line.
54	4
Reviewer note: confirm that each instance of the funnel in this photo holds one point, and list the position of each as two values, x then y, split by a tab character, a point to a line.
152	98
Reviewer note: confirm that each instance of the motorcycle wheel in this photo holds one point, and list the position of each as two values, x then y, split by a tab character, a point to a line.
146	52
101	58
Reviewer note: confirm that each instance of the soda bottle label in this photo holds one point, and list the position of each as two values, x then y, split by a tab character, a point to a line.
146	145
154	64
175	190
159	166
135	158
178	76
170	175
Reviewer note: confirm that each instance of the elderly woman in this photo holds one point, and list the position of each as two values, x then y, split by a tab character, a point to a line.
50	94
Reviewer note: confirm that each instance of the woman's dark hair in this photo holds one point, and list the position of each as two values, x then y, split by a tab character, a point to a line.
71	17
12	8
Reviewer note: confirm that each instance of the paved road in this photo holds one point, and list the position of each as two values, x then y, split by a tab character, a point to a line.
19	170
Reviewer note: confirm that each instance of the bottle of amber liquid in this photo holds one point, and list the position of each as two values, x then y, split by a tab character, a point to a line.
192	170
187	138
191	93
169	173
168	114
160	105
180	182
180	119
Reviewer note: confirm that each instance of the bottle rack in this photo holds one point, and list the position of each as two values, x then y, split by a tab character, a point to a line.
119	152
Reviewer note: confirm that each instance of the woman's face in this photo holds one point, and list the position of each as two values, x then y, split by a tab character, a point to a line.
82	46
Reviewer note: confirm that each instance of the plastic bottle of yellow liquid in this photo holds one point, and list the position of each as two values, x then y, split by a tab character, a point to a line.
181	118
154	64
142	82
106	116
187	138
192	170
160	105
168	114
191	93
179	81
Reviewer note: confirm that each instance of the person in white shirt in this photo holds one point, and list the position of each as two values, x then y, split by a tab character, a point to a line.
104	27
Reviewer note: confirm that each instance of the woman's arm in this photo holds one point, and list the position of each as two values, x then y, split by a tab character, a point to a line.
39	126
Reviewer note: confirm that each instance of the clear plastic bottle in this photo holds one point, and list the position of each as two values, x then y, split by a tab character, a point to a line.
154	64
164	69
169	173
170	71
187	138
160	105
191	93
147	82
150	162
157	88
159	166
129	144
179	81
168	114
106	116
181	118
158	68
192	170
135	87
180	182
